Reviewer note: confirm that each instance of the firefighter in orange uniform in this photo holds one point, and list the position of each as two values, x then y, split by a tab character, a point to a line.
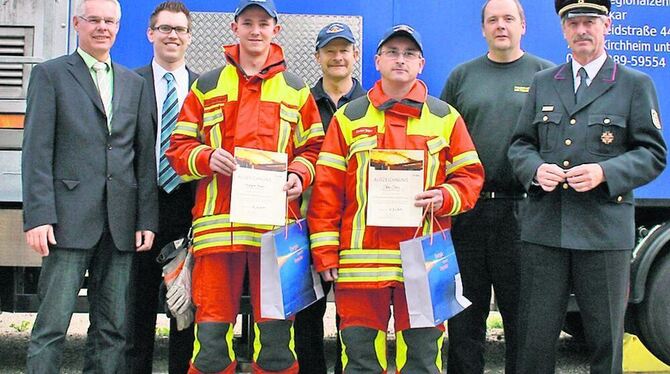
251	102
364	261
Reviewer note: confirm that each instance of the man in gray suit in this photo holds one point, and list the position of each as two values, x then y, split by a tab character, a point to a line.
89	189
588	134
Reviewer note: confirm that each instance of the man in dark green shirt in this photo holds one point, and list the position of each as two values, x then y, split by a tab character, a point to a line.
337	54
489	92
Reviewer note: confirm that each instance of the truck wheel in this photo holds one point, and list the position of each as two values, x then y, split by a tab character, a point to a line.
653	315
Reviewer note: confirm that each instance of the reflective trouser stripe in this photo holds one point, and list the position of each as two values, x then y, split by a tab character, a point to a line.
274	345
363	350
213	347
419	351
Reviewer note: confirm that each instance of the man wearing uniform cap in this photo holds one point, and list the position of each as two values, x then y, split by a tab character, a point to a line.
364	260
588	135
489	92
336	53
253	102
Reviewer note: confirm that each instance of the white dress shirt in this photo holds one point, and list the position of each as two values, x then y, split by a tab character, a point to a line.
592	69
181	81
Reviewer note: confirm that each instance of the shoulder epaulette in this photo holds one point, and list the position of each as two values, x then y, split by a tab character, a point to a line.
357	108
209	80
294	81
437	107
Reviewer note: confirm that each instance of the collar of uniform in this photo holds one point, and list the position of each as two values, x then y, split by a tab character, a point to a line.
592	68
408	106
319	93
274	64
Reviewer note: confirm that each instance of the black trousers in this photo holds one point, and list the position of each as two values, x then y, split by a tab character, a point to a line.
308	328
145	296
487	244
599	279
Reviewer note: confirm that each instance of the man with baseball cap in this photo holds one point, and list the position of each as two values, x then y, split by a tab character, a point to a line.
364	260
336	53
253	102
587	136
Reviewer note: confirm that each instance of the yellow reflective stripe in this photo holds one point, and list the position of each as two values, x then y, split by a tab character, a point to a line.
464	159
212	118
400	351
186	128
288	114
218	239
380	349
302	136
257	342
325	238
345	358
284	136
436	144
358	222
211	196
332	160
370	256
364	144
196	343
291	343
307	164
350	275
192	157
456	206
438	359
432	167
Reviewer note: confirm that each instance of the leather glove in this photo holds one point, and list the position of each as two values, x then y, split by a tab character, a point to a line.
177	278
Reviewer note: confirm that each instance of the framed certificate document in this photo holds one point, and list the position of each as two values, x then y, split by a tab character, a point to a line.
257	193
395	177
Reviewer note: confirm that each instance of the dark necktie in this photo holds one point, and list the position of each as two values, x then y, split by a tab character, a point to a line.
579	94
167	177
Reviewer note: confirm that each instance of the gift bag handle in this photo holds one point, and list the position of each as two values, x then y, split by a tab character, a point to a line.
290	210
430	223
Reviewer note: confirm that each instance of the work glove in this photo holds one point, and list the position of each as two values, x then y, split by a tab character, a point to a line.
177	262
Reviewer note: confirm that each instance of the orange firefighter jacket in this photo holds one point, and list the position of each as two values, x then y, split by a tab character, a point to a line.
366	256
271	111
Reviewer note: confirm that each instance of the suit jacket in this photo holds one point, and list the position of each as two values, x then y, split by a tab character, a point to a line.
76	175
615	125
174	209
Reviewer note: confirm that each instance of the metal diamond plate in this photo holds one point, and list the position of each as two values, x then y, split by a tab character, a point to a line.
211	31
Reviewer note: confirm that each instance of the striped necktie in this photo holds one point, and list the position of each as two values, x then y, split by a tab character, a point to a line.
167	177
104	88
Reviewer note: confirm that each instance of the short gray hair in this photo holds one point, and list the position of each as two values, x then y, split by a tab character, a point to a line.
79	10
518	6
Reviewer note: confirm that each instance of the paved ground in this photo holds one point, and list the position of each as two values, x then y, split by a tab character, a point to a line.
15	329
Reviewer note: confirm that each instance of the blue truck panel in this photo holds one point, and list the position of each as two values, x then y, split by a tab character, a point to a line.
451	32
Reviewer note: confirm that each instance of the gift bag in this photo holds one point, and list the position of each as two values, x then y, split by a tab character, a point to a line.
289	282
433	287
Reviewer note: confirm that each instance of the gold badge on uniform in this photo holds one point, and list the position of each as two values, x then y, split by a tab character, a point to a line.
655	119
522	89
607	137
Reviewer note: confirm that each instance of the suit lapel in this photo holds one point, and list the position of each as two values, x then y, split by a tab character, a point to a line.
603	81
564	85
148	75
80	72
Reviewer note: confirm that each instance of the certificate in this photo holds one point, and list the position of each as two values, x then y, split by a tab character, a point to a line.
395	177
257	193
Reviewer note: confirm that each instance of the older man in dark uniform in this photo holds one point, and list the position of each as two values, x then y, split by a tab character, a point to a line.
588	135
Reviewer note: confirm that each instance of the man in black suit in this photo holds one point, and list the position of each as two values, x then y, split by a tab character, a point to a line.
89	190
170	33
588	134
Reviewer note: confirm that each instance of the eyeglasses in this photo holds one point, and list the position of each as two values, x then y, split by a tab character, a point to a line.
394	54
97	20
167	29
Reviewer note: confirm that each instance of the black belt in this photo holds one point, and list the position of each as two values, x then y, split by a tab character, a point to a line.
502	195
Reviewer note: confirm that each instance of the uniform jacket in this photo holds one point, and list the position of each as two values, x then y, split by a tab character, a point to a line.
369	256
76	175
617	126
271	111
174	209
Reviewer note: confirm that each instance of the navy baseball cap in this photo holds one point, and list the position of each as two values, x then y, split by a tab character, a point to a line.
404	30
267	5
333	31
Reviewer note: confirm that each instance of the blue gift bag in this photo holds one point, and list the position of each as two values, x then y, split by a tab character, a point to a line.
433	285
289	282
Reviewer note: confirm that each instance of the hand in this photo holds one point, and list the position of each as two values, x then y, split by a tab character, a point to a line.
293	187
222	162
426	198
548	176
143	240
40	237
585	177
329	275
